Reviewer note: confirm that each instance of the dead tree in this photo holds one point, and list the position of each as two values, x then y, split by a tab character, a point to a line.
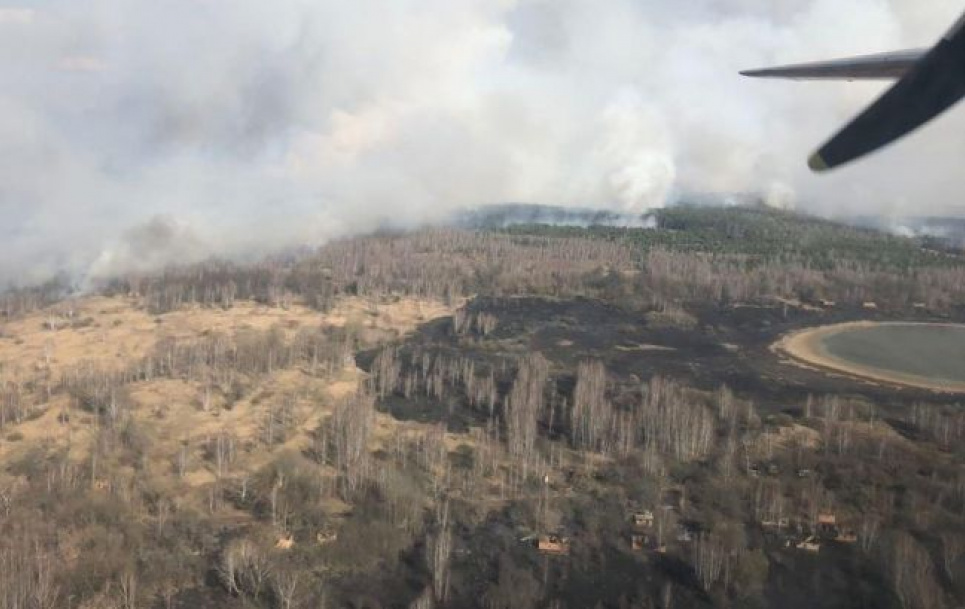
523	407
592	413
438	552
710	559
673	423
350	428
911	573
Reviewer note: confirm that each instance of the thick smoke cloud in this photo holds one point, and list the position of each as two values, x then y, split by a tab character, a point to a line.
134	132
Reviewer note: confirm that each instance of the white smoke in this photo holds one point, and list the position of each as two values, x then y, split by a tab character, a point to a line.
159	242
260	125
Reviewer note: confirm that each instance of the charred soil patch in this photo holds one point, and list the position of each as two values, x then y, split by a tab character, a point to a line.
730	346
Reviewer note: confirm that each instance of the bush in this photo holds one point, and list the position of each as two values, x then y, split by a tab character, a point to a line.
672	317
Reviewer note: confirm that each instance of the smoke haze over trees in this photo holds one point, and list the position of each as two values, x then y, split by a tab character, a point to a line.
133	132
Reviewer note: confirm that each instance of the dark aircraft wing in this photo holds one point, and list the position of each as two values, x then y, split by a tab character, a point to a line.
881	66
927	87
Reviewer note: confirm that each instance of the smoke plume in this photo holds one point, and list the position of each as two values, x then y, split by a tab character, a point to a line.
135	131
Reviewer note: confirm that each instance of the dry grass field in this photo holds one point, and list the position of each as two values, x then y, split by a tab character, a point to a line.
176	420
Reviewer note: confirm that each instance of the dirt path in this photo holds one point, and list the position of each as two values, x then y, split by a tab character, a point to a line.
806	349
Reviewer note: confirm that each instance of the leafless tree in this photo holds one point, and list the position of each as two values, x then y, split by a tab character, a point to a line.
911	573
523	408
769	503
128	589
710	559
726	404
287	586
350	427
868	530
386	371
424	600
244	568
953	548
592	414
673	423
28	573
438	552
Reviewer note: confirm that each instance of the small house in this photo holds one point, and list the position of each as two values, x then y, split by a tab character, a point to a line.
326	537
780	523
827	525
809	545
643	519
639	542
553	544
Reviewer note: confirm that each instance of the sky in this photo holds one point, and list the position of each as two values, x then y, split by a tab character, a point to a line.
134	133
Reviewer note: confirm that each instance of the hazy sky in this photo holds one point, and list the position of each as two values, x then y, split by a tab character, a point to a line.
134	131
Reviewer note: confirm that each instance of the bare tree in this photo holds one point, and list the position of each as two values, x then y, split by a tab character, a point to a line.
244	568
673	423
592	413
523	407
911	573
128	589
953	548
710	558
350	428
386	372
438	552
726	404
286	583
868	531
424	600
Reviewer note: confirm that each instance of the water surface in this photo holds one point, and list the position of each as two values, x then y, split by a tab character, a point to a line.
929	351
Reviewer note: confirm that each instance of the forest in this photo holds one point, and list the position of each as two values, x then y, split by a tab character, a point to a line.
502	416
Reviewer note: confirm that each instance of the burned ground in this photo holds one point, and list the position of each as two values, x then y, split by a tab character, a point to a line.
730	346
719	346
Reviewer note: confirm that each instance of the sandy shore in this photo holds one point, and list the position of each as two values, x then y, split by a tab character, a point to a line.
806	347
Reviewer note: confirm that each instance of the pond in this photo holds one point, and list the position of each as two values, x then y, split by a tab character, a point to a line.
923	355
